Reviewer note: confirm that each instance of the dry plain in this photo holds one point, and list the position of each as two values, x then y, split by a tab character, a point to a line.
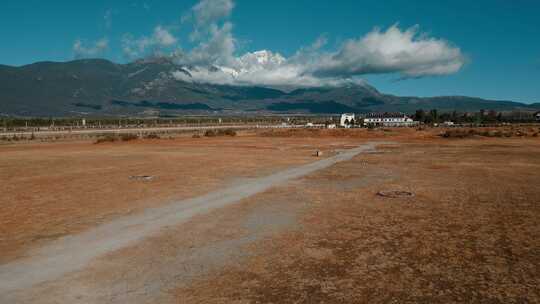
470	233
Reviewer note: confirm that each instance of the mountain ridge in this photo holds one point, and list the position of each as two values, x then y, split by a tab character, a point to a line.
148	87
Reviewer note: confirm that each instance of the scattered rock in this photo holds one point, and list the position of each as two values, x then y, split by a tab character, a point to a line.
395	194
142	177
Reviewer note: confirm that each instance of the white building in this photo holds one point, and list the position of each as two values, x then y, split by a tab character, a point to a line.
389	120
537	115
346	119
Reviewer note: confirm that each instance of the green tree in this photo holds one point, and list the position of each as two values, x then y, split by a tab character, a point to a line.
434	115
420	115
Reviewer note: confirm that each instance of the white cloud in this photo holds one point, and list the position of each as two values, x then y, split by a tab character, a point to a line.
217	50
216	44
80	50
138	47
163	37
207	12
407	53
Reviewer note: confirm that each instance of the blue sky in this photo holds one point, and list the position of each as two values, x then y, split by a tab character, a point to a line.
498	41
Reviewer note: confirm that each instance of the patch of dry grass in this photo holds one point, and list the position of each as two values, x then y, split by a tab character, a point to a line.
469	235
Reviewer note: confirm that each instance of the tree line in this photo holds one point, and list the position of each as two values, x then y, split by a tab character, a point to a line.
481	117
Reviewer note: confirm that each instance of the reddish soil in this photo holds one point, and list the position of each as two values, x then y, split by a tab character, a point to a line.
56	189
471	233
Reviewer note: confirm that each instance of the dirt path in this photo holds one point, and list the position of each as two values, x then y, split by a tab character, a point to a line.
74	252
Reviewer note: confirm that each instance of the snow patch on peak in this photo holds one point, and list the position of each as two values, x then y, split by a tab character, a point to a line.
262	68
262	57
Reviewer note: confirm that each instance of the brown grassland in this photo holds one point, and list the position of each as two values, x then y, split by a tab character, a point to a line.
470	233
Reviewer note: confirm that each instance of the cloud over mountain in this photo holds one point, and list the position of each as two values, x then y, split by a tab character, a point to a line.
86	50
137	47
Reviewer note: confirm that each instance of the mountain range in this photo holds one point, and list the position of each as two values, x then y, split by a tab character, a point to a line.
97	87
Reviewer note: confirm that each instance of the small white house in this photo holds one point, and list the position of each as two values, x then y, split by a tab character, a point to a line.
331	126
388	120
537	115
346	119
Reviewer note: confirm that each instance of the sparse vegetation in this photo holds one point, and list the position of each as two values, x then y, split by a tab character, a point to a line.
128	137
210	133
105	139
152	136
113	138
481	132
226	132
220	132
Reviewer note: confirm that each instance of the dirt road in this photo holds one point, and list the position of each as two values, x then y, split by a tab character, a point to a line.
72	253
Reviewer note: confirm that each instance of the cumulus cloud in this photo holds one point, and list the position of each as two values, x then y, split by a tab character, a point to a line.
87	50
163	37
217	50
138	47
207	12
392	51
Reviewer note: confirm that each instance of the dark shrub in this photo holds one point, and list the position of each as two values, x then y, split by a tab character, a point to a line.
152	136
220	132
128	137
458	133
210	133
227	132
106	138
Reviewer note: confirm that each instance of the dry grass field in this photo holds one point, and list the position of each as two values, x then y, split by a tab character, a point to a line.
55	189
470	233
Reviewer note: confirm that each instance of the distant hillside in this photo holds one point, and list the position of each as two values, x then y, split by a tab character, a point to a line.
147	87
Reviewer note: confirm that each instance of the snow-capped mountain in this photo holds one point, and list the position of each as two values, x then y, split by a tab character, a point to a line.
160	85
